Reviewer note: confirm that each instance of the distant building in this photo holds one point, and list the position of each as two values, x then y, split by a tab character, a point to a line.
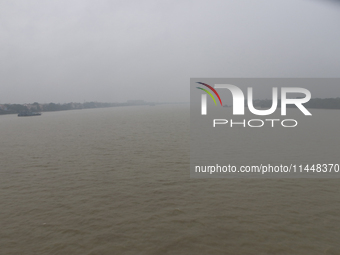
28	106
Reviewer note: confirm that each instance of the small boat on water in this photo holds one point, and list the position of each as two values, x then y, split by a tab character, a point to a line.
25	114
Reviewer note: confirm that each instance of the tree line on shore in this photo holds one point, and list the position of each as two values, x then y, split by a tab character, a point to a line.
36	107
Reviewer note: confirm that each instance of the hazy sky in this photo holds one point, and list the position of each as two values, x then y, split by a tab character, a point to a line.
112	51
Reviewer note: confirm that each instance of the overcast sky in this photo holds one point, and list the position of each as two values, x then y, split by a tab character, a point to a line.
112	51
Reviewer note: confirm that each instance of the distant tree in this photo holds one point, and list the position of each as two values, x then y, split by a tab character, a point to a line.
89	105
66	106
37	106
52	107
16	108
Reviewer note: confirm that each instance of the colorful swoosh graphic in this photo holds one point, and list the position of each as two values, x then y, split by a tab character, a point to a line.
208	93
212	89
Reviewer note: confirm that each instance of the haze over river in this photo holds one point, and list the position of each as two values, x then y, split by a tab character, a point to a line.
117	181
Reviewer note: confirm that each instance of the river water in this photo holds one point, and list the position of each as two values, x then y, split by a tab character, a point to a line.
117	181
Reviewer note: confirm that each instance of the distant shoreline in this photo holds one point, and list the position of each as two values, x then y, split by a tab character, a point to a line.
52	107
